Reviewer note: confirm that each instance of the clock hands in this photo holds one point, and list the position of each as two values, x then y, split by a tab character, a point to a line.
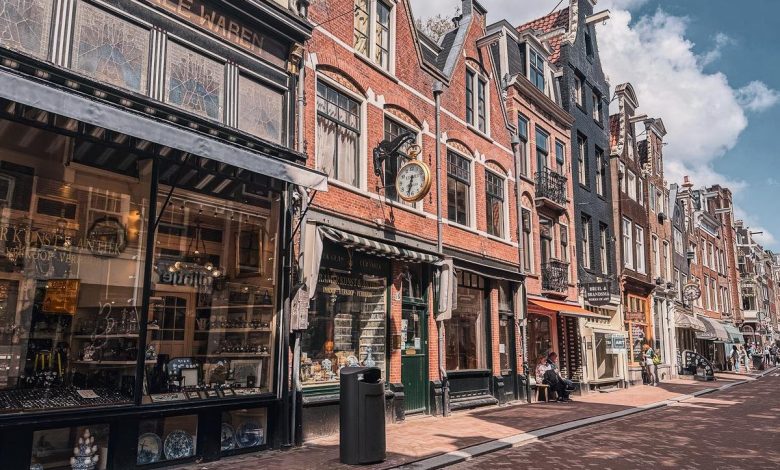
411	180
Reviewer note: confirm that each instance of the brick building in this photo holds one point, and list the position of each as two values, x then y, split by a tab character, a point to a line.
584	94
757	269
542	146
370	77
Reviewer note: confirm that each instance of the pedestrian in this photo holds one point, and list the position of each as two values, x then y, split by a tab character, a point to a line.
553	378
766	355
734	358
650	367
773	354
745	352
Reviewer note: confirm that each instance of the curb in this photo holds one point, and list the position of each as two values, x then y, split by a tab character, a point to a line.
522	439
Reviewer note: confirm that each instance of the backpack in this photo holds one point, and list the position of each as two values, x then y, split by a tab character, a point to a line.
655	357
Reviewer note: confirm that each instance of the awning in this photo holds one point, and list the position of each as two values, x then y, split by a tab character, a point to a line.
715	330
47	97
735	336
376	248
564	308
683	320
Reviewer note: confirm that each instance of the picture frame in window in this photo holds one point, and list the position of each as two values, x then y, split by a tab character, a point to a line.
62	296
250	246
245	369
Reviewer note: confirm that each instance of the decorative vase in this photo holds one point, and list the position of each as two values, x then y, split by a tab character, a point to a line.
85	455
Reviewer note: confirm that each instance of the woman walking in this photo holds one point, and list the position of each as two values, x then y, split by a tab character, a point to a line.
734	358
649	354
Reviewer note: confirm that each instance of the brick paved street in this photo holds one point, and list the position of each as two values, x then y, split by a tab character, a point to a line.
424	437
733	429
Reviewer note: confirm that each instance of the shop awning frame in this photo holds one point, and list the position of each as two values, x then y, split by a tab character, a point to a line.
566	309
716	331
34	93
374	247
686	321
735	336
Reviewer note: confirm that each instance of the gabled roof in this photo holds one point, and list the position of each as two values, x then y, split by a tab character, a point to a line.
557	20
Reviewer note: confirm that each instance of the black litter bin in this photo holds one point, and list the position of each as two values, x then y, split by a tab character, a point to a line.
362	416
758	361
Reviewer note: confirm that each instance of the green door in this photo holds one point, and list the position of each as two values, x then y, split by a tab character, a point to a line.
414	357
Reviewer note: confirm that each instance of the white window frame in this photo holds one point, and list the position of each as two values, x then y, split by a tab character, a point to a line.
587	239
600	170
604	248
418	134
582	160
631	184
622	176
478	78
362	140
651	193
640	191
504	204
371	57
656	249
530	247
578	92
667	255
628	243
641	265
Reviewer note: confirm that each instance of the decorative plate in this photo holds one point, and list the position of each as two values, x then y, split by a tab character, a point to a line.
250	434
179	445
149	448
228	439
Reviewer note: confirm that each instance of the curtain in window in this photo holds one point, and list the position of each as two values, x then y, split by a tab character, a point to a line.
361	26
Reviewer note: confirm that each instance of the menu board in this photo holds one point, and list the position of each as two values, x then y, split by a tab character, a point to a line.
62	296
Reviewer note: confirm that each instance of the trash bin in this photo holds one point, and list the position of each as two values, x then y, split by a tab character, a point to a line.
362	416
758	362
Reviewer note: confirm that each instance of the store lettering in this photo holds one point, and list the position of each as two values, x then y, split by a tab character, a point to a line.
21	239
186	278
198	13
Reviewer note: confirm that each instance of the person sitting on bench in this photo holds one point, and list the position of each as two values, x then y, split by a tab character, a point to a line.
553	378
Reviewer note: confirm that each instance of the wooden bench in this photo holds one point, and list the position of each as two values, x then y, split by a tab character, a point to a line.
541	389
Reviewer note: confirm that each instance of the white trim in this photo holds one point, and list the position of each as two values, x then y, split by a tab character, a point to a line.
419	141
362	138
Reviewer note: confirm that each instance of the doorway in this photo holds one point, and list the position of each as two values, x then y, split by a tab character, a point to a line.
414	341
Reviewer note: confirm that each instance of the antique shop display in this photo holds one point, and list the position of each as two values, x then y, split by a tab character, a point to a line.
85	454
179	445
149	448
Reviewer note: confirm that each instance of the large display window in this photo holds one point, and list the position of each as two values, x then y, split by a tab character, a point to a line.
72	238
466	345
212	318
347	317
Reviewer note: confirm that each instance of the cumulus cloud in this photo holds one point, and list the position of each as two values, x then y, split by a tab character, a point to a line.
756	96
721	41
765	238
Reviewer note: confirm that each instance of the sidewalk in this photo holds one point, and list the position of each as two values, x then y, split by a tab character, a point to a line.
422	438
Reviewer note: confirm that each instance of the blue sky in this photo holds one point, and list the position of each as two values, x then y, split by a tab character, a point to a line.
710	69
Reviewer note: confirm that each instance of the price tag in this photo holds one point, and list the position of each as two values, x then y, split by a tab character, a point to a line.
87	394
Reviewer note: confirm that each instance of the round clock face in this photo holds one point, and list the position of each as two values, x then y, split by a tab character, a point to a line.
413	181
691	292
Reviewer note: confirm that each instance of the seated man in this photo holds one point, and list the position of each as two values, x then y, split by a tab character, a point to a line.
553	378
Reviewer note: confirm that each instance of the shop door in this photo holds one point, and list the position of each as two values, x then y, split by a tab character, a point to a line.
175	317
507	355
414	357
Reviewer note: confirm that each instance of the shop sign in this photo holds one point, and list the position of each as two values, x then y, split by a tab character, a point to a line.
107	238
203	281
616	344
205	16
597	294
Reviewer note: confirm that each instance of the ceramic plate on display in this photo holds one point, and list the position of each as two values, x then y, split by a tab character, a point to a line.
179	445
149	448
250	434
228	439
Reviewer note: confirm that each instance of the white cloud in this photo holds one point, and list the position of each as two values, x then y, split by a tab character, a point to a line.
756	96
766	238
721	41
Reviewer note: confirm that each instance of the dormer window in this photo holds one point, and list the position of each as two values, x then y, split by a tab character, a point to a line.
372	31
536	69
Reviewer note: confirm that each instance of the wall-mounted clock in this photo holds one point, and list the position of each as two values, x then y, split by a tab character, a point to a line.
413	181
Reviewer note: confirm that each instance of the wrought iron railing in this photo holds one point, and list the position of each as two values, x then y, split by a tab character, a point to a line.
555	276
551	185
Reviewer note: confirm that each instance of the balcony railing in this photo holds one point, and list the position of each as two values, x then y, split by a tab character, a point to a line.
555	276
551	185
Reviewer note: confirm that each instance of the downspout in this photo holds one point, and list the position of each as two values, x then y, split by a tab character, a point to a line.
523	323
295	438
438	88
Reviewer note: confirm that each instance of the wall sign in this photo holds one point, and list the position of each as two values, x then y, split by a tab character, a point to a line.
203	15
597	293
615	343
62	296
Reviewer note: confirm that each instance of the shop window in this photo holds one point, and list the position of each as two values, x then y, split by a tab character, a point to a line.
167	439
539	337
261	110
243	429
110	49
338	134
494	199
393	129
194	82
506	325
458	188
347	317
637	311
54	448
70	279
607	365
26	25
466	346
213	307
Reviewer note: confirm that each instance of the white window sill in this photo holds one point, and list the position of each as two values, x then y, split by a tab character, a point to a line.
376	67
484	135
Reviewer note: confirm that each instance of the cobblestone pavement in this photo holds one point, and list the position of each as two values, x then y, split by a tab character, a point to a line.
738	428
424	437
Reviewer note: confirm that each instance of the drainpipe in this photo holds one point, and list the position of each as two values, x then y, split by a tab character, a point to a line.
295	385
523	323
438	88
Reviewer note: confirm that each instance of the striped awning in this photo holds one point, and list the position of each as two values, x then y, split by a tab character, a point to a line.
374	247
715	330
683	320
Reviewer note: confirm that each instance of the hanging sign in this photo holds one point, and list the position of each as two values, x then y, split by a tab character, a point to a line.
615	344
597	293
